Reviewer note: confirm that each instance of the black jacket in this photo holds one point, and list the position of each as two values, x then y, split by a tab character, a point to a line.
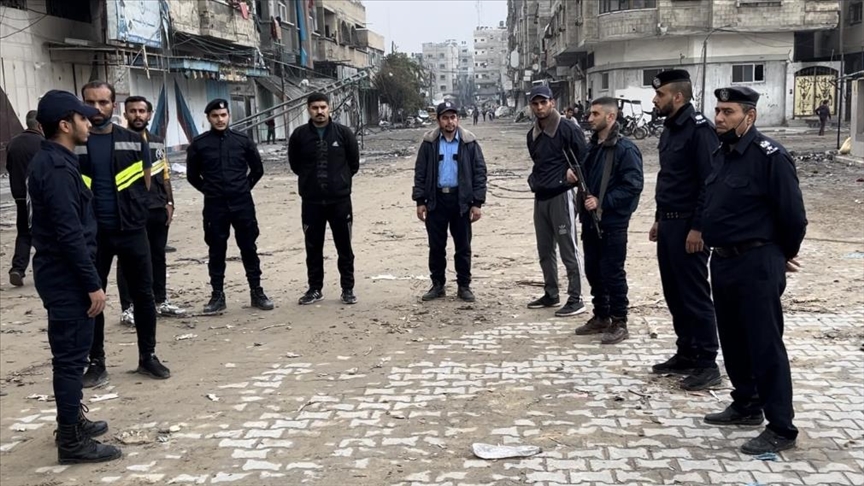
546	146
223	164
19	153
472	171
625	182
324	166
64	233
160	171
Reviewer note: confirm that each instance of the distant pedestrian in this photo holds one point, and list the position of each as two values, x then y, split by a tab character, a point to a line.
552	181
824	113
271	130
475	114
325	156
449	189
20	151
613	169
484	114
754	220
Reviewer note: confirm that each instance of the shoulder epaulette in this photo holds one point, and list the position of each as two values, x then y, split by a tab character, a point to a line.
766	146
699	118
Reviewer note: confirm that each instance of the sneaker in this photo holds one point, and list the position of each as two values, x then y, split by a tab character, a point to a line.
616	332
260	299
731	416
150	366
545	301
128	317
675	365
169	310
216	304
436	292
571	308
96	374
464	293
16	278
701	379
310	297
348	297
767	441
595	325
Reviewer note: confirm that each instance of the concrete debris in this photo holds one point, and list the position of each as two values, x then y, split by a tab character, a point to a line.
489	451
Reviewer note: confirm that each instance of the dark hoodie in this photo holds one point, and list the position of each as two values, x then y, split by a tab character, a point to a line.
546	146
625	181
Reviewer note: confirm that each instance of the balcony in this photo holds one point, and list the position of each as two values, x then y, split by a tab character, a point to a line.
214	19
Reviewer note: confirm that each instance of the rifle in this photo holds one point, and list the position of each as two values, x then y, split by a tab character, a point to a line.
583	185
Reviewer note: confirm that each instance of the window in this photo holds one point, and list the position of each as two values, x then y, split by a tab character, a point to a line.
440	55
442	66
604	81
19	4
748	73
855	13
607	6
648	76
443	87
282	11
78	10
442	77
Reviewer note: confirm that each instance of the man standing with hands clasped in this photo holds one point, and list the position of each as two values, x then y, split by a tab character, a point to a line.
754	220
686	148
449	189
551	142
325	156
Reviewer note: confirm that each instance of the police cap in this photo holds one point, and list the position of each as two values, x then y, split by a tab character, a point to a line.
217	104
445	107
56	105
737	94
671	76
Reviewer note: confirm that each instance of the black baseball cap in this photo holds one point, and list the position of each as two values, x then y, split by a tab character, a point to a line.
542	91
445	107
737	94
57	104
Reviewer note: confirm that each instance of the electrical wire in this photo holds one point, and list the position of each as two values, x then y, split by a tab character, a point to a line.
24	28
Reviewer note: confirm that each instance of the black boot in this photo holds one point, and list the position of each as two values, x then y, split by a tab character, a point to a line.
151	366
616	332
96	373
436	292
88	427
260	300
73	447
732	416
216	304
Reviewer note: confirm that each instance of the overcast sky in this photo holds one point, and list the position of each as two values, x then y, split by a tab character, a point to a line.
411	23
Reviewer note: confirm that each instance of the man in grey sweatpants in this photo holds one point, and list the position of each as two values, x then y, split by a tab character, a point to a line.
553	181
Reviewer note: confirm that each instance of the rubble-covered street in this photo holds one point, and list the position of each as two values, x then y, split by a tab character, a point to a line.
394	391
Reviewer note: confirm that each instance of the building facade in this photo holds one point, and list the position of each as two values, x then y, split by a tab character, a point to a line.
442	63
615	48
490	63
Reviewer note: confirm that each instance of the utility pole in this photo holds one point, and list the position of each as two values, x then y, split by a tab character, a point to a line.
840	81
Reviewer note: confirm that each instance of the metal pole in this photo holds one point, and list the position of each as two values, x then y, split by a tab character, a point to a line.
704	73
840	81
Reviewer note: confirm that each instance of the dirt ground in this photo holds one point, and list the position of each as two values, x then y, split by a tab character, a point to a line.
391	252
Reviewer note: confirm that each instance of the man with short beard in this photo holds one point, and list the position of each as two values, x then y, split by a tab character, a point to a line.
116	162
613	169
138	111
686	146
224	166
449	189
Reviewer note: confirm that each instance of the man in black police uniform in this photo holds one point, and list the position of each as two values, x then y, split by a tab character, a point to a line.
64	269
686	148
755	222
225	165
449	189
613	173
19	153
325	156
138	111
116	162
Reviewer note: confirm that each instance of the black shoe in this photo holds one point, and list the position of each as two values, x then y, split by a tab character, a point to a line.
595	325
571	308
675	365
260	299
150	366
96	373
701	379
310	297
767	441
436	292
731	416
545	301
616	332
170	249
216	304
464	293
75	447
88	427
348	297
16	278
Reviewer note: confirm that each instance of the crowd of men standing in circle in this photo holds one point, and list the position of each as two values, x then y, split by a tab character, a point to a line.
725	192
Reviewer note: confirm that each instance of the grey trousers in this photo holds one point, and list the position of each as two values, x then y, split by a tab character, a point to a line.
555	225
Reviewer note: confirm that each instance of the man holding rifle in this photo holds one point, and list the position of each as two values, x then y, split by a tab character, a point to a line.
613	180
552	181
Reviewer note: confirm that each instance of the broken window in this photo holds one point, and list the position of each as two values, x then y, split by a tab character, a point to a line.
855	13
78	10
19	4
748	73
